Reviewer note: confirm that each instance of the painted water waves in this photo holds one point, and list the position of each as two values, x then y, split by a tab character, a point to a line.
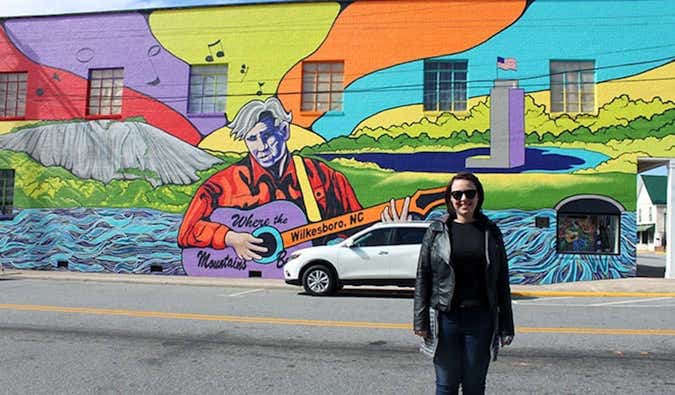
532	251
92	240
134	240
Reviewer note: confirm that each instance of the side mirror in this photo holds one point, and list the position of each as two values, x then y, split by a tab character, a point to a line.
348	244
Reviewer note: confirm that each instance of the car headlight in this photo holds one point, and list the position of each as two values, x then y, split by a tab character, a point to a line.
294	255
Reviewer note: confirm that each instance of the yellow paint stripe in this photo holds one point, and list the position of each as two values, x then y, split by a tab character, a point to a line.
311	206
595	294
321	323
202	317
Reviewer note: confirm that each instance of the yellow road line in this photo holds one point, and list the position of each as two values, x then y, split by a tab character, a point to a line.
203	317
299	322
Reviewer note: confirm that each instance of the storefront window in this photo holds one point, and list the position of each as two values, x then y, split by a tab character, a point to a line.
588	225
588	234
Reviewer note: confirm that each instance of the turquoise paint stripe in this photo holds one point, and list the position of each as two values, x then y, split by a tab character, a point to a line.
609	32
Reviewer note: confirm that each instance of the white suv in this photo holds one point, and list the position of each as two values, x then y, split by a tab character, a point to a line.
383	254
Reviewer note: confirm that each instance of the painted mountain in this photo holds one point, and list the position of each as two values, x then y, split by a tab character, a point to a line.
105	150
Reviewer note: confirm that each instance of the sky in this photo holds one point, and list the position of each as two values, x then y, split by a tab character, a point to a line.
50	7
659	171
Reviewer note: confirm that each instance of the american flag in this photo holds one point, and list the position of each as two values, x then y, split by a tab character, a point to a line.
507	63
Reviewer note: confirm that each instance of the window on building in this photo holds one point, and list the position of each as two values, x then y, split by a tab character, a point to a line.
322	86
445	85
639	215
105	91
6	193
572	86
647	237
208	89
588	234
13	95
650	213
588	226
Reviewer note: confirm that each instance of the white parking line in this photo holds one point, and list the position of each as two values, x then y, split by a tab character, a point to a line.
629	301
250	291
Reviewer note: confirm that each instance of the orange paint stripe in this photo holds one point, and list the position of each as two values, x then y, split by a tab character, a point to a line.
373	35
317	323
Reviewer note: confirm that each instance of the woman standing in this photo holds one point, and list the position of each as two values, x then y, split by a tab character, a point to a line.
463	281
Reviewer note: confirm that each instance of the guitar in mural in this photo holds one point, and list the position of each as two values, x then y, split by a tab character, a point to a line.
284	228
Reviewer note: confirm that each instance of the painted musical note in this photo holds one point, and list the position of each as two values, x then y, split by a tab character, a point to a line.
243	71
260	85
153	51
219	51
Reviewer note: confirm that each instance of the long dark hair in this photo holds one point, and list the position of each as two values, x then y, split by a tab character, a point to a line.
479	188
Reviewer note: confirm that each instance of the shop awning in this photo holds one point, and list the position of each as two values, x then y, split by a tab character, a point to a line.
644	228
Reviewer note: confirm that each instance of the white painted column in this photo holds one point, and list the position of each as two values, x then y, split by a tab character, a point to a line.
670	223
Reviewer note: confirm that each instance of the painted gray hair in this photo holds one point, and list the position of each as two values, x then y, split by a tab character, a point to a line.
249	115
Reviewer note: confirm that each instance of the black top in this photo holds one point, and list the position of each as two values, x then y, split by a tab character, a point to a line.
468	262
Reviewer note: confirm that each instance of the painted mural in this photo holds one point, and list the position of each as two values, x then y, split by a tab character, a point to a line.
223	135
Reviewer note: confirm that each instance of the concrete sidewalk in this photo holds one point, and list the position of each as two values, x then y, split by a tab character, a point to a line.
625	287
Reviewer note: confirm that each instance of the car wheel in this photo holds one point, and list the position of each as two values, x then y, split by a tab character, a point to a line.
318	280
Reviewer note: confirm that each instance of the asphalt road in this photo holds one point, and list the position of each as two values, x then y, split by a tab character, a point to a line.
651	264
84	337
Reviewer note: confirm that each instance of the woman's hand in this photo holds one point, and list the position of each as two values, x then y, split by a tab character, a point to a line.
505	340
422	333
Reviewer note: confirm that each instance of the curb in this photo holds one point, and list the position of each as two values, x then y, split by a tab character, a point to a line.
147	279
280	284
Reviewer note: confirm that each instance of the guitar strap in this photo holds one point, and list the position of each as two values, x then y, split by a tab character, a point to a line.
311	206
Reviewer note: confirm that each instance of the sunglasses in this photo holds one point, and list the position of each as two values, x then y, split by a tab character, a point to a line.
469	193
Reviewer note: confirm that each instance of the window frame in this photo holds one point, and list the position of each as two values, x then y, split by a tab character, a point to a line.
7	205
112	96
315	92
192	98
20	93
452	89
568	73
617	250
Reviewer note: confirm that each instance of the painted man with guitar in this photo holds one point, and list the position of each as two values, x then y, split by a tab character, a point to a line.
270	187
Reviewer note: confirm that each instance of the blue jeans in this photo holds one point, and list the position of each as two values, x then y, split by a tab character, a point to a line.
463	353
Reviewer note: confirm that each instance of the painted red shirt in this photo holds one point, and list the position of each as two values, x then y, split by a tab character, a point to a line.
246	184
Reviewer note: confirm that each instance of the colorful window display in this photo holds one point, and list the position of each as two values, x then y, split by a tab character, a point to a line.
588	234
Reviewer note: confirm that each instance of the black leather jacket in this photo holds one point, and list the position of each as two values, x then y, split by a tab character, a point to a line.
435	283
